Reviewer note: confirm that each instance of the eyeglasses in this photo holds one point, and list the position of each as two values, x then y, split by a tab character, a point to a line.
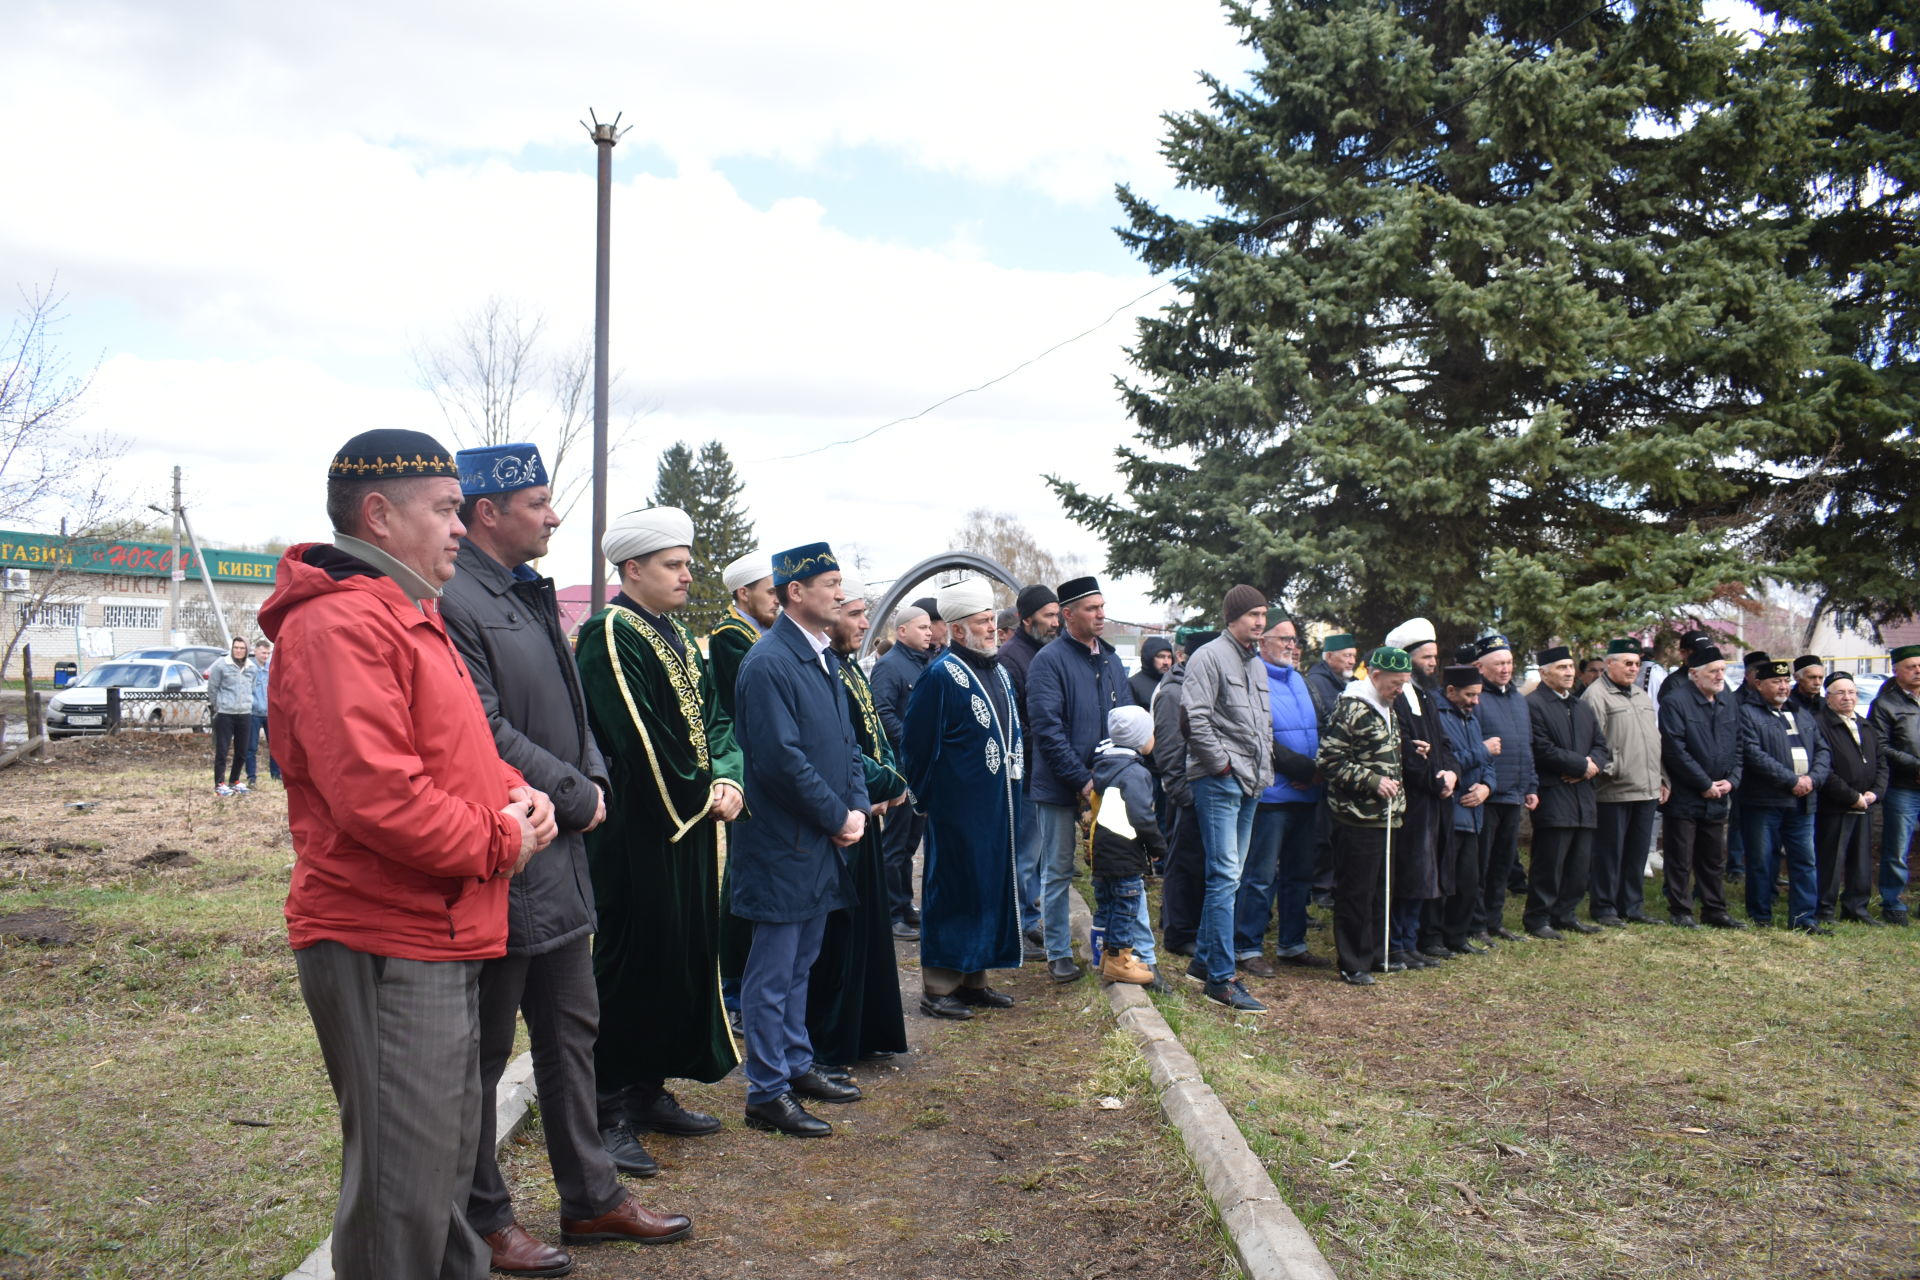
1288	640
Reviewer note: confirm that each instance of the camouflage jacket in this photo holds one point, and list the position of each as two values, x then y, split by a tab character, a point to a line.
1360	746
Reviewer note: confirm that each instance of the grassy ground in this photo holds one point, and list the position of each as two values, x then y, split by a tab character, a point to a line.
1647	1103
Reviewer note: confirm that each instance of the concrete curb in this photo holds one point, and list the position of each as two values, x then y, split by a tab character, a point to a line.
1268	1239
510	1101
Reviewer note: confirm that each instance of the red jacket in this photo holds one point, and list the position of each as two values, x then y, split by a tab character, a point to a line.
394	786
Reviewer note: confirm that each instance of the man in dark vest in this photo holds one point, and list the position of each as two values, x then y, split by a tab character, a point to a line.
504	619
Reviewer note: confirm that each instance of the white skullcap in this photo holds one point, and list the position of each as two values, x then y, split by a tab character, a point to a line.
1411	634
747	570
964	599
1129	726
641	533
851	587
907	613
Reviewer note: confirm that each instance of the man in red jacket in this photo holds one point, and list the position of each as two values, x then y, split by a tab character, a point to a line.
406	827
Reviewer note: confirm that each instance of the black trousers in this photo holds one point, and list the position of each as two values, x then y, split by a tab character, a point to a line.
1843	847
1557	877
230	731
555	990
1453	918
1500	842
1322	851
1359	866
900	835
1184	887
1696	850
1621	844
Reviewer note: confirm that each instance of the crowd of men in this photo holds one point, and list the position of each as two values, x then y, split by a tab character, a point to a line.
676	859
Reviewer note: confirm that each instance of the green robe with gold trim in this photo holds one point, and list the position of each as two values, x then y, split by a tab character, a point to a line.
853	994
668	743
727	646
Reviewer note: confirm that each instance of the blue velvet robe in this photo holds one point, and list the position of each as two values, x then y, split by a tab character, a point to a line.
961	743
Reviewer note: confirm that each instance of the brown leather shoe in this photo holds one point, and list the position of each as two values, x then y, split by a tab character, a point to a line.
627	1221
515	1253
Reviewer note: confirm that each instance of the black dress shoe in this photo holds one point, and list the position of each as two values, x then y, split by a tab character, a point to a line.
1437	951
811	1084
912	916
785	1115
1507	935
1547	933
1818	928
1406	960
1305	960
628	1156
1357	979
1065	970
1482	940
1577	926
1610	921
1159	984
944	1007
1640	917
1472	948
1724	922
1684	921
664	1114
831	1072
1850	918
1028	951
905	932
983	997
1036	936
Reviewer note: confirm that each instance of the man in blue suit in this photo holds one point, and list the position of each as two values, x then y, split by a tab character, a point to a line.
806	797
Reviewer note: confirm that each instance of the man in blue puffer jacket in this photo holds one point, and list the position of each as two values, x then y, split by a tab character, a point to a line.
1280	854
1516	786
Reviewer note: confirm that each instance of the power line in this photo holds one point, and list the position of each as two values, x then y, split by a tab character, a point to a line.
1284	215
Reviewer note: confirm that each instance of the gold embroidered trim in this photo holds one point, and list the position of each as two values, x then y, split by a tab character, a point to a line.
856	683
379	466
689	701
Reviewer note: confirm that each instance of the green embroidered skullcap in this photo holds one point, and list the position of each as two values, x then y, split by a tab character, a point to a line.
1625	644
1387	658
1339	640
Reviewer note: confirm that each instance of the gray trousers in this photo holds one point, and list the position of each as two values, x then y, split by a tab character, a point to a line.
401	1039
556	992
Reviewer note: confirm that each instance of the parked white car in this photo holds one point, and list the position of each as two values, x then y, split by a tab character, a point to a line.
81	708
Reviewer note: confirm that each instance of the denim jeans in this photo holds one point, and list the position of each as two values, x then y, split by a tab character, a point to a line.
1026	844
1902	814
1053	842
1770	833
1120	907
1225	814
1279	873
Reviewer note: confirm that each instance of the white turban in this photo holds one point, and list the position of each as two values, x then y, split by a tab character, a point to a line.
641	533
907	613
964	599
747	570
851	587
1411	634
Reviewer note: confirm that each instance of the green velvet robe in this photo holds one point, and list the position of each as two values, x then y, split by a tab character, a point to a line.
853	993
727	646
655	865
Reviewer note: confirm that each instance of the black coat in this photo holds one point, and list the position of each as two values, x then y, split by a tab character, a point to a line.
1857	766
508	630
1427	816
1699	746
1566	734
1766	768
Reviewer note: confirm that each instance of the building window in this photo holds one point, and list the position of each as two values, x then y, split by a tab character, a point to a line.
142	617
46	614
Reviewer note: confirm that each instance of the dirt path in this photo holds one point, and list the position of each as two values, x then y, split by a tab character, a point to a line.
985	1152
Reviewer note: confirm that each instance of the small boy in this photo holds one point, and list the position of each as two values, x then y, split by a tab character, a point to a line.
1124	842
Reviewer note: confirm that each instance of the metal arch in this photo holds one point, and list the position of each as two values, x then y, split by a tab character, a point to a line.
904	585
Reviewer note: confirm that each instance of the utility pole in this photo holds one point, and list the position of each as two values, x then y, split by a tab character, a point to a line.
175	573
604	137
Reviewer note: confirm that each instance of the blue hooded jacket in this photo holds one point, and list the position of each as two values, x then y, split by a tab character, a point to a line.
1296	737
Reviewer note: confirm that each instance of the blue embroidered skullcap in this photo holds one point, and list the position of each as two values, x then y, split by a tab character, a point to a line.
500	468
802	563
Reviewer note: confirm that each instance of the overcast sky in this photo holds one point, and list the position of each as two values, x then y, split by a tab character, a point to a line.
825	216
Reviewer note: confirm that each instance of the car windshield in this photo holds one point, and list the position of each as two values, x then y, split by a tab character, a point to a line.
124	675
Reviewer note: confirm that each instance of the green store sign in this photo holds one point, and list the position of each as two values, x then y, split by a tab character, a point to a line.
144	559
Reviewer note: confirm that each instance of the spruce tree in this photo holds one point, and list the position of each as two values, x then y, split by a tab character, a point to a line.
708	489
1491	319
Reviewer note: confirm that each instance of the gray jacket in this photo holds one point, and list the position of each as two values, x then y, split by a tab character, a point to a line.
1896	718
1632	728
230	687
1229	721
507	627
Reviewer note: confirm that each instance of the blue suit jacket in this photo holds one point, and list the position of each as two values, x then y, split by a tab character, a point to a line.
802	773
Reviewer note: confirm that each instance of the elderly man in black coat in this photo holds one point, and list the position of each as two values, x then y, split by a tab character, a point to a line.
504	619
1569	750
1841	825
806	796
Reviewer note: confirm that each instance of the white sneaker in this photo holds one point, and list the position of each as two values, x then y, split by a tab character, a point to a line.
222	789
241	788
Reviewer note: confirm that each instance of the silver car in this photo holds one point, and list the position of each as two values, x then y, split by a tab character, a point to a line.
81	707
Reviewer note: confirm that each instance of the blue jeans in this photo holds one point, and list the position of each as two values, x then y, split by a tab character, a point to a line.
1403	925
1225	814
1120	907
254	732
1279	873
1770	833
1896	835
1026	859
1053	848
